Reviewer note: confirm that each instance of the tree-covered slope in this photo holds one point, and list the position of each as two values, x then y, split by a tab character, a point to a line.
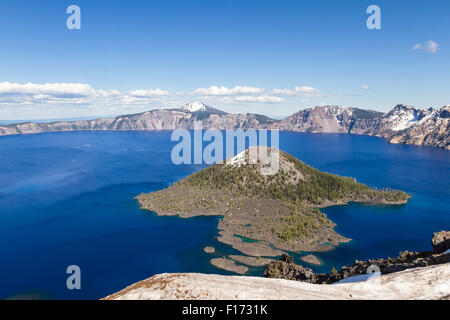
295	182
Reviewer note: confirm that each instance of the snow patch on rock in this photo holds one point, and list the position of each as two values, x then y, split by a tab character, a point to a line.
194	107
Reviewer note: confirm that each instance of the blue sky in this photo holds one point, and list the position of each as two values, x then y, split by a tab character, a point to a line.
239	56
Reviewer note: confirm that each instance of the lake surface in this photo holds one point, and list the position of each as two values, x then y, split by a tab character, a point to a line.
68	199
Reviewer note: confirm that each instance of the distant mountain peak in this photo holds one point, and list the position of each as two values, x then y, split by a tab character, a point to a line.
195	106
403	117
403	106
200	109
408	107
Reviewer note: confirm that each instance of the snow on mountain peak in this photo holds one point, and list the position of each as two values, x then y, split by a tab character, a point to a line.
403	117
194	107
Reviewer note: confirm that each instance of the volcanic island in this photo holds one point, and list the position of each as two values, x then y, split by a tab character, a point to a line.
263	216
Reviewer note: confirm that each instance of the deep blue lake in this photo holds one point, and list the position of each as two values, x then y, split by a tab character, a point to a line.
68	199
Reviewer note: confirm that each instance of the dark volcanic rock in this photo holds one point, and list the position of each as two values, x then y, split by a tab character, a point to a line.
285	268
441	241
287	258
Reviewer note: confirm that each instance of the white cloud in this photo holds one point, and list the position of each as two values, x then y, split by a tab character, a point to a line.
429	46
304	91
224	91
365	87
282	91
63	90
51	100
263	99
73	94
107	93
238	94
148	93
76	97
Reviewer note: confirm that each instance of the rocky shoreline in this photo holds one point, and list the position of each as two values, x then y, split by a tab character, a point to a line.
285	268
429	128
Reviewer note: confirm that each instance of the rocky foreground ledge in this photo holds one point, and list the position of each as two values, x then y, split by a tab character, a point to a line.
419	283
